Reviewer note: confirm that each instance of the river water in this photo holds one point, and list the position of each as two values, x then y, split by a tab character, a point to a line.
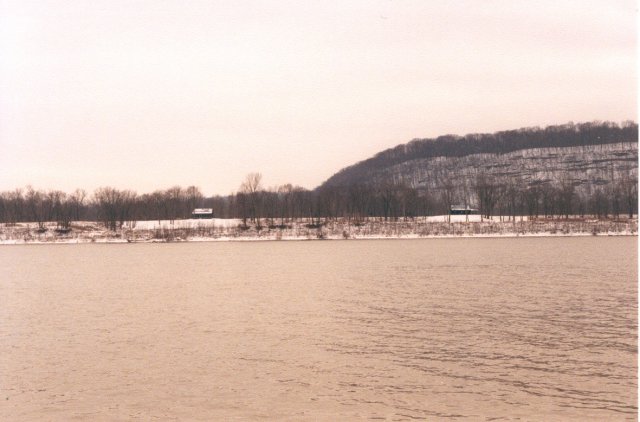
437	329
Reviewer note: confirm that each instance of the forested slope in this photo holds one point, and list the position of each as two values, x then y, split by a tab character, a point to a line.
589	154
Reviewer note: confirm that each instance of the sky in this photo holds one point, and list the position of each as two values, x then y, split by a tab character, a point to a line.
146	95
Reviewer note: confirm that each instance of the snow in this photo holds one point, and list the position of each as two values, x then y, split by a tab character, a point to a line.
196	230
472	218
183	224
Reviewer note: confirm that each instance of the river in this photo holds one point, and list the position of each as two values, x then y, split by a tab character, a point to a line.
432	329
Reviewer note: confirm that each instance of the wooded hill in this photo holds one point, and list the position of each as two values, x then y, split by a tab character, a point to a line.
406	163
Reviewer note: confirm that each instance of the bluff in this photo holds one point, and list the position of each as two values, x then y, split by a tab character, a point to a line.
587	155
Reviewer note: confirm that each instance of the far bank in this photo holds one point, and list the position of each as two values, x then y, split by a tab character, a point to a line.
312	229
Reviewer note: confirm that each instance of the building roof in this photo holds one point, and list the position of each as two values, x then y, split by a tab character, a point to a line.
203	211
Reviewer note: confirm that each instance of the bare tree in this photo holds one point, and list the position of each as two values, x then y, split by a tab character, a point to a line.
34	202
285	193
64	212
114	206
359	197
174	202
487	192
448	195
252	188
531	197
108	201
599	203
566	196
77	199
512	197
629	191
193	198
549	196
127	204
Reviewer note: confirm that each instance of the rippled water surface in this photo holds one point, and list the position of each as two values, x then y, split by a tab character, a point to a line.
461	329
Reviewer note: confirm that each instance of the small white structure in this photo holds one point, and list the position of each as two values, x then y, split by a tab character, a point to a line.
202	213
462	210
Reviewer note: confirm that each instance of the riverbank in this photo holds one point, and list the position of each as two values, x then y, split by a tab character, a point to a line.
372	228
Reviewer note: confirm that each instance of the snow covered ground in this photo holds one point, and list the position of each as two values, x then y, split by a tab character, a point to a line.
189	223
372	228
235	222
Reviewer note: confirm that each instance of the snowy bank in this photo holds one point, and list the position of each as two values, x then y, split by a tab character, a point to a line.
371	228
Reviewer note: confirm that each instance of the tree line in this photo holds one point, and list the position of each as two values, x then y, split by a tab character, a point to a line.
278	206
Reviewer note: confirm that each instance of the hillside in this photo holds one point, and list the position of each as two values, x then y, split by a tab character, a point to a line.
586	167
587	155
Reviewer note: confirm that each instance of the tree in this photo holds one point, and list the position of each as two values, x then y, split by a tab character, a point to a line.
566	195
77	199
127	205
447	195
487	192
194	198
358	199
629	191
599	203
531	196
174	200
241	202
34	202
252	188
114	206
549	194
286	198
107	200
64	211
512	196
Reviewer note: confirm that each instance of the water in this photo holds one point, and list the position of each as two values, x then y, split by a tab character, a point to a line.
461	329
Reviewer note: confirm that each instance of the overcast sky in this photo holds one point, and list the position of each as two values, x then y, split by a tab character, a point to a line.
150	94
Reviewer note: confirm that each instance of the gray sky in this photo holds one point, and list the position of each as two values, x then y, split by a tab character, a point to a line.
149	94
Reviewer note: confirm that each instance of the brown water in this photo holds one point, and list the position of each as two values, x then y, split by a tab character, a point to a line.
461	329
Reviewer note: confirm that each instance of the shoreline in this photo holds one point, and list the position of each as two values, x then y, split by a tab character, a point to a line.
230	230
258	240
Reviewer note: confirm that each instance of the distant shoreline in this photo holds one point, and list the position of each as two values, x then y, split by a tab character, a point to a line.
241	240
226	230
